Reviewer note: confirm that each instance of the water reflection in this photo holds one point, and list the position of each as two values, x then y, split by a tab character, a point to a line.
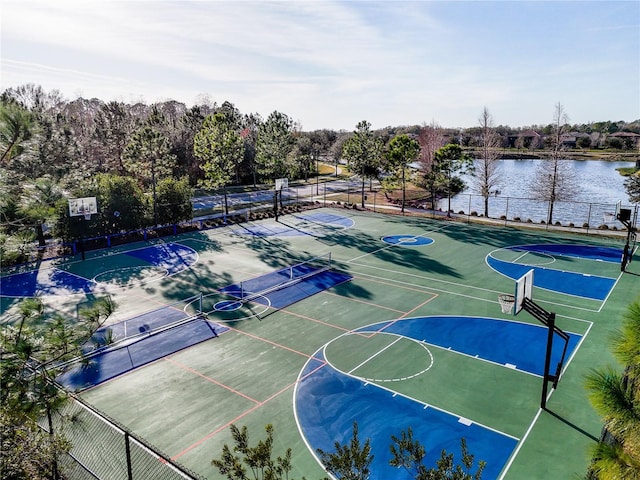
600	188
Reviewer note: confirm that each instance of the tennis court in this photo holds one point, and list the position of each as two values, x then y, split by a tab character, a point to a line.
401	327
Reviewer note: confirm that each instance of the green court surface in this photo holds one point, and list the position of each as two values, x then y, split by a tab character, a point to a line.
251	374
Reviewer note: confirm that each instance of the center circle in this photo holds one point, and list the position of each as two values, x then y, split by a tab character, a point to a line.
379	357
407	240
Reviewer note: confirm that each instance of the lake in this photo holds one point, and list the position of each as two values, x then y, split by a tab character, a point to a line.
601	187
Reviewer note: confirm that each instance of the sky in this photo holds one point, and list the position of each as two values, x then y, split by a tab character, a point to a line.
330	64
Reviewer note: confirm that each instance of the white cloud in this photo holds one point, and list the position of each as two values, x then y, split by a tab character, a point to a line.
326	63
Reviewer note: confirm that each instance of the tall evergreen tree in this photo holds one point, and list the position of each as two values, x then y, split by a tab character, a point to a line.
274	143
363	151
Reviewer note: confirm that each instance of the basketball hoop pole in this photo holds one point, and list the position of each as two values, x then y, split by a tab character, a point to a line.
549	320
624	216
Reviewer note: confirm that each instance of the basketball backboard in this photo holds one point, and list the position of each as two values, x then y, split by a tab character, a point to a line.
524	288
82	206
282	183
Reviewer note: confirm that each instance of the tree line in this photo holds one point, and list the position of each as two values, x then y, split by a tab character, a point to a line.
143	162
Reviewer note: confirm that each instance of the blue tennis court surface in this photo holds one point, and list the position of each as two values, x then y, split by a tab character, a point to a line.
289	293
118	359
513	344
327	402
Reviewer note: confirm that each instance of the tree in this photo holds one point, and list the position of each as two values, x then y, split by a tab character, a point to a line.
363	152
486	174
402	151
274	143
616	397
449	162
554	181
174	201
113	126
632	187
148	158
38	203
221	147
409	454
349	462
245	462
122	206
16	129
30	355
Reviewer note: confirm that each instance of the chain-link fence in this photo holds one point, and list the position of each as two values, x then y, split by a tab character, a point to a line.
102	449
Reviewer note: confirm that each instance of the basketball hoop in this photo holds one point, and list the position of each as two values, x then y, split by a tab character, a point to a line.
87	216
506	303
609	217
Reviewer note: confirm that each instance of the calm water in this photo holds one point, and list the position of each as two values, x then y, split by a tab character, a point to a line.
601	186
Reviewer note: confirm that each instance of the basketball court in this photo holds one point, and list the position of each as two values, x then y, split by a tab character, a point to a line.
331	316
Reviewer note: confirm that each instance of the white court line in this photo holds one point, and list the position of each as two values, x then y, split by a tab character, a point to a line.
375	355
395	393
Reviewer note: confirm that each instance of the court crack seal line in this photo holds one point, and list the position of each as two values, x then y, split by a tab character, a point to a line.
407	240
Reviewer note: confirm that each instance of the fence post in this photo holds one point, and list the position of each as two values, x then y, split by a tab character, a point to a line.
128	452
506	212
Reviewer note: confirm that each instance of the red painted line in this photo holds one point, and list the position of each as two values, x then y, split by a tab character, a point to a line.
315	320
270	342
404	287
209	379
366	303
421	305
242	415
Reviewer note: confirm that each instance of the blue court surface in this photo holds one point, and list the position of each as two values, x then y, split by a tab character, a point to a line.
112	361
567	282
407	240
170	257
504	342
52	281
327	402
282	292
174	257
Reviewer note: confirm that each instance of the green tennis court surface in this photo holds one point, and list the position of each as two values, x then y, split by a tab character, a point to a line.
413	336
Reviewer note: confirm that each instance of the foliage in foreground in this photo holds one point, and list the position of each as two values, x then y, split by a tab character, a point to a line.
409	454
245	462
351	461
30	351
616	397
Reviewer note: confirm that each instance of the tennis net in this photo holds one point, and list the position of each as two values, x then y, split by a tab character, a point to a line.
248	290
